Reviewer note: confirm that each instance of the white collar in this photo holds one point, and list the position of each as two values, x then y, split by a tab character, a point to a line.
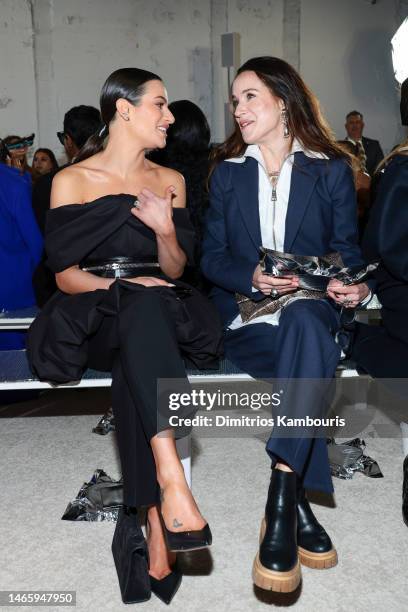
254	151
354	141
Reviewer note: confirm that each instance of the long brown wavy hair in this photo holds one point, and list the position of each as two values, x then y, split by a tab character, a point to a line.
305	120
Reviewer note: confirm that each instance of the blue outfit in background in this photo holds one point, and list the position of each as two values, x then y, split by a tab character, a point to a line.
321	218
21	247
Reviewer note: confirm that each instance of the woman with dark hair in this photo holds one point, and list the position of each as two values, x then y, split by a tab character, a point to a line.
44	161
187	151
118	238
281	181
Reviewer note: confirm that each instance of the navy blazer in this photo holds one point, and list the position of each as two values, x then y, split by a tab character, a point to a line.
321	219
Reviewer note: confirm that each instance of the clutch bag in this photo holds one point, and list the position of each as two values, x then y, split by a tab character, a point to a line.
314	275
129	549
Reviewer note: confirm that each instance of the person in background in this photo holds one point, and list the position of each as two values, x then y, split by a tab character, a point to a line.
382	351
80	122
362	181
187	151
17	147
20	245
368	150
44	161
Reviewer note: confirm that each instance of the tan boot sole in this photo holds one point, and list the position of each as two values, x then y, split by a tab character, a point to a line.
307	558
318	560
280	582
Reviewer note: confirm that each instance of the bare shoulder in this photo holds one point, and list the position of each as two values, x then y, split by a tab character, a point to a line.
172	175
167	177
68	186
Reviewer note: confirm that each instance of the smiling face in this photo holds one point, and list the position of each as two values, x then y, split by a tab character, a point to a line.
151	118
256	110
42	163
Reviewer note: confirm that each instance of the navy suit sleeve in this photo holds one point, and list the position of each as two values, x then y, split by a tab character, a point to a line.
343	196
386	236
226	270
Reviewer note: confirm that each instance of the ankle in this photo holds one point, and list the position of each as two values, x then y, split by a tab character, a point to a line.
283	467
171	476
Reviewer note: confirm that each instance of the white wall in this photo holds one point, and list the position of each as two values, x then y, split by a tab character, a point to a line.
345	57
55	54
17	81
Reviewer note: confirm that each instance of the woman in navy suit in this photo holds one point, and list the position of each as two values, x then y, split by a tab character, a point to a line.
281	181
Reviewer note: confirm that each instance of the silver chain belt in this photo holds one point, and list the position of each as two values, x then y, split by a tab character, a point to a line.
119	267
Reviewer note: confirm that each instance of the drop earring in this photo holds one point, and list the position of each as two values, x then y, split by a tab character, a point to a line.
284	114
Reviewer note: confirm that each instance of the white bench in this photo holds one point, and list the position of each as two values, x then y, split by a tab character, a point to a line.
15	372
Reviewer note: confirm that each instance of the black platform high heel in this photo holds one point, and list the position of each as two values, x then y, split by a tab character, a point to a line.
167	587
182	541
130	554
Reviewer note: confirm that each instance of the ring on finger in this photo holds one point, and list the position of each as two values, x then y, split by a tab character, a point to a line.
274	293
136	203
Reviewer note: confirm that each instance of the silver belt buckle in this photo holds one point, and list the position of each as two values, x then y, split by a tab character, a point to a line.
116	268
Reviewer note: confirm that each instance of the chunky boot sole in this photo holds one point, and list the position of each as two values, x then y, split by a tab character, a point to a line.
318	560
270	580
307	558
280	582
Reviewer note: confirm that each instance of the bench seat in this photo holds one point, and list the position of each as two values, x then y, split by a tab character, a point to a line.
15	373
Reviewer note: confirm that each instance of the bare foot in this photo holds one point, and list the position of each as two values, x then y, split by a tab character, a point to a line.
161	560
178	507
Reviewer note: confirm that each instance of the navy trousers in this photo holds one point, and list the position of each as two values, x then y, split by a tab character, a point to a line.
301	346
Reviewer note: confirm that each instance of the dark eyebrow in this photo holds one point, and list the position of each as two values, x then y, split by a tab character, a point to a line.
247	90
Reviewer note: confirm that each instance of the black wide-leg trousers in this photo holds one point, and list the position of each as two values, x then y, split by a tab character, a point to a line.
139	345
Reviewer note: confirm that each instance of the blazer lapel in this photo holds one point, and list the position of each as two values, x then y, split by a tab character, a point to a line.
245	184
301	188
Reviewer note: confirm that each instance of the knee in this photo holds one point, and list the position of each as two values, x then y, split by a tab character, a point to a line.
140	311
141	300
302	315
306	320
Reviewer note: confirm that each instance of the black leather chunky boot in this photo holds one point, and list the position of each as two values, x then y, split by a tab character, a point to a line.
314	545
276	566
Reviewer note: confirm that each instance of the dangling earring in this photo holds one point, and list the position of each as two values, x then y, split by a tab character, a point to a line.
284	114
